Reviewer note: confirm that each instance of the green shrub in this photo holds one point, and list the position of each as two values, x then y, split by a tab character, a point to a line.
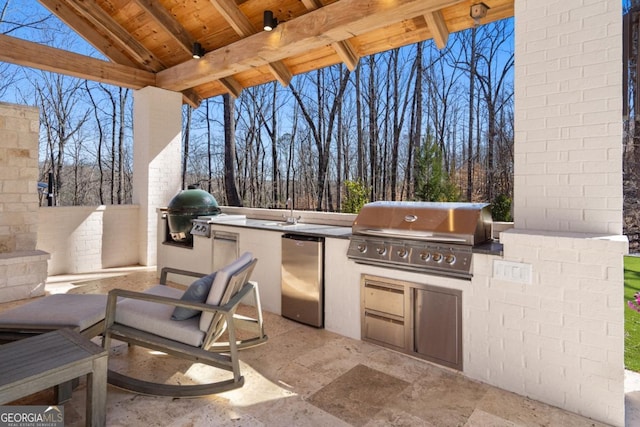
501	208
433	183
355	197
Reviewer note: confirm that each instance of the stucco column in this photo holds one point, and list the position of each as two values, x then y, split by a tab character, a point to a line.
157	135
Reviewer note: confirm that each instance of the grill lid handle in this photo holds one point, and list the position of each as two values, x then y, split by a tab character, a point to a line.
410	218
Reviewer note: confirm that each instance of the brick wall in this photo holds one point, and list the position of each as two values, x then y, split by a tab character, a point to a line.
568	88
560	338
88	238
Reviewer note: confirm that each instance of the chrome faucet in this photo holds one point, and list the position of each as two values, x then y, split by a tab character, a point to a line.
290	219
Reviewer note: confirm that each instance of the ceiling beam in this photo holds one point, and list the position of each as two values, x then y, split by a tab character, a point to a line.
438	28
280	72
29	54
86	31
343	48
243	27
332	23
168	22
110	29
232	86
234	16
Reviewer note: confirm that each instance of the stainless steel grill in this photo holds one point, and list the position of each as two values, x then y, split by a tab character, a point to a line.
420	236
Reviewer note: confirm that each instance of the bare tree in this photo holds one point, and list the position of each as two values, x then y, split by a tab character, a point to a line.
374	173
14	19
400	98
415	127
231	190
62	119
100	139
186	125
321	132
472	86
495	61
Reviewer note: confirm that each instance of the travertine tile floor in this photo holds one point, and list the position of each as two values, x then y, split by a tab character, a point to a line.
308	377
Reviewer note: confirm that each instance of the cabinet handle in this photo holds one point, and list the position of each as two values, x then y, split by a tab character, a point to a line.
384	288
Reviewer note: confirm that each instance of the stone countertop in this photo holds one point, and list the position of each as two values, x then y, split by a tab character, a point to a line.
492	247
310	229
318	230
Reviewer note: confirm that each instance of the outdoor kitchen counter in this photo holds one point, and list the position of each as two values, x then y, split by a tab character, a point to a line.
310	229
319	230
262	237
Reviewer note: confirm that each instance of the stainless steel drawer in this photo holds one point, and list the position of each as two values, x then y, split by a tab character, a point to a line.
384	330
383	299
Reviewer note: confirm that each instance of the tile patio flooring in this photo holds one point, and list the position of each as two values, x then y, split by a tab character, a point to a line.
308	377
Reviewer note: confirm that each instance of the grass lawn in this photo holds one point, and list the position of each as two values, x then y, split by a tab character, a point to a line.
631	317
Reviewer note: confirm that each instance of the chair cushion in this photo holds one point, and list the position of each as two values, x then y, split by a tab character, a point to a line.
220	284
79	310
196	292
156	318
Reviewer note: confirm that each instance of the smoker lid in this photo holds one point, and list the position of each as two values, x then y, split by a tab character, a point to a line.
465	223
193	202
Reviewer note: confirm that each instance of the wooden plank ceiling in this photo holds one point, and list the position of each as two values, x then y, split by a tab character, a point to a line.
149	42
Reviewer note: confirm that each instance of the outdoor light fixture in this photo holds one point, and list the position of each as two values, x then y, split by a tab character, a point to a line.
198	51
270	21
478	11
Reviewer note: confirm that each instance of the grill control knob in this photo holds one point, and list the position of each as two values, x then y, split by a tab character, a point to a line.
402	253
425	256
450	259
381	250
362	247
437	257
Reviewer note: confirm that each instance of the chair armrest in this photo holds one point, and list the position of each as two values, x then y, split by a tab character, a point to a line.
169	270
114	294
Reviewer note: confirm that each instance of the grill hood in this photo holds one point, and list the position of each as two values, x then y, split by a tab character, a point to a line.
459	223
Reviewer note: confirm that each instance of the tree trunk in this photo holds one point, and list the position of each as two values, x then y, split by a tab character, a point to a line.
361	174
186	136
231	190
472	73
373	129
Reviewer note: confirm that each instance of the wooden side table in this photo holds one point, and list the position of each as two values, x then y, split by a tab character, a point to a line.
36	363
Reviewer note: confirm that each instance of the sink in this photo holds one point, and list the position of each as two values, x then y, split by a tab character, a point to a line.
281	224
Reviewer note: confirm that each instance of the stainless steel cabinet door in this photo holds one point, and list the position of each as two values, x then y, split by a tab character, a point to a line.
438	326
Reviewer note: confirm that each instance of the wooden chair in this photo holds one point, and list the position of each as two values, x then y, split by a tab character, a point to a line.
144	319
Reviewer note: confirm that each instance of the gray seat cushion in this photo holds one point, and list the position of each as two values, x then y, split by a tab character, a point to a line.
58	310
220	284
196	292
156	318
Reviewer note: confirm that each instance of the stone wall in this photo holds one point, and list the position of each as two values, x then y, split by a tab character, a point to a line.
19	127
23	269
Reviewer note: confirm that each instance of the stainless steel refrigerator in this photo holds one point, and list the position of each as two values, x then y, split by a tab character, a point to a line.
303	279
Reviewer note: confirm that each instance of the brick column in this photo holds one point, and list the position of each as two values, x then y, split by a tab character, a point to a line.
556	333
157	136
568	120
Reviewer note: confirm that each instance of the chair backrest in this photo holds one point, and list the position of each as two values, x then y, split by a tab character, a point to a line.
228	281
